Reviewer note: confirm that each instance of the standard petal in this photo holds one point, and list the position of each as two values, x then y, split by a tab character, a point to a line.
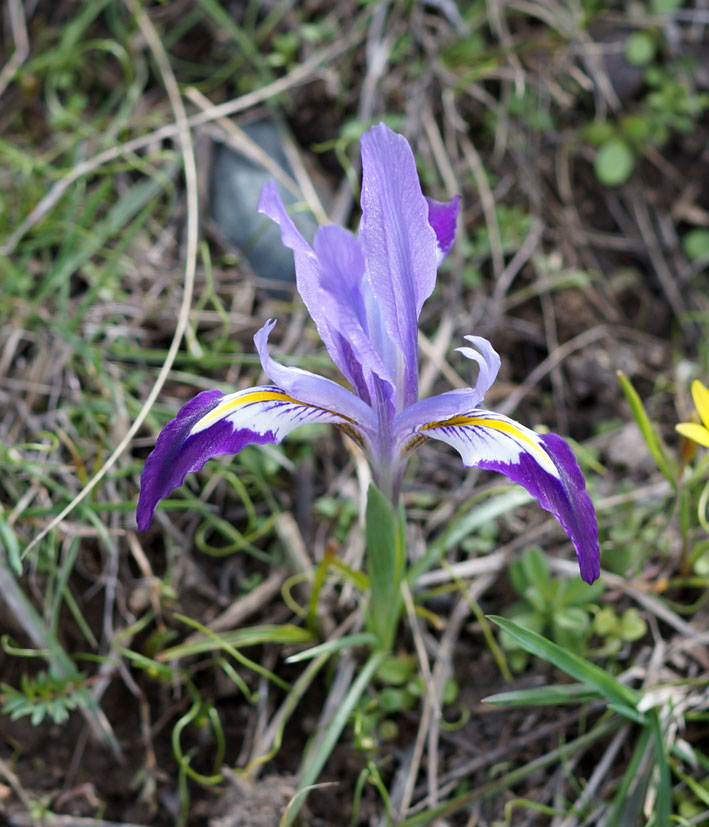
306	265
344	303
399	243
443	217
543	464
214	423
700	394
311	388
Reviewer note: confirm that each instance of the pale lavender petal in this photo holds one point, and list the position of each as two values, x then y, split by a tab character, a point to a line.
270	204
341	267
214	423
343	298
306	265
433	409
399	244
488	362
311	388
330	279
543	464
443	217
456	402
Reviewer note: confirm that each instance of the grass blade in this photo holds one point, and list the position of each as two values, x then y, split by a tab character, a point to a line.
587	673
647	429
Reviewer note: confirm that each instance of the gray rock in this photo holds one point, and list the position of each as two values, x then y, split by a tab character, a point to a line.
236	184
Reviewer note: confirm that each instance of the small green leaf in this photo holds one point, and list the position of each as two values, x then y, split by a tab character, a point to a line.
640	48
636	127
606	622
572	619
598	132
392	699
396	670
614	163
632	626
450	691
664	6
696	244
574	592
535	568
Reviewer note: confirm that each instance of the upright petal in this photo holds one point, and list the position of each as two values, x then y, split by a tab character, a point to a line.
344	302
543	464
330	280
214	423
306	265
399	243
443	217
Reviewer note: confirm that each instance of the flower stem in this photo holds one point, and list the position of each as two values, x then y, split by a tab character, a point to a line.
385	534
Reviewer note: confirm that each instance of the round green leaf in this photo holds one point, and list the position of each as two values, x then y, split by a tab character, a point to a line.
636	128
598	132
632	626
696	244
606	623
701	566
614	163
450	691
640	48
572	619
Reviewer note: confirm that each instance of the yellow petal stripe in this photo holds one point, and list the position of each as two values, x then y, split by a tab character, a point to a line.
505	427
700	394
233	402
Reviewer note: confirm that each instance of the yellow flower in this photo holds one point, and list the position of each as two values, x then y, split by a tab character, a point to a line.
693	431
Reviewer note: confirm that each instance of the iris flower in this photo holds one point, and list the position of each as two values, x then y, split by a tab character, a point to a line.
693	430
364	294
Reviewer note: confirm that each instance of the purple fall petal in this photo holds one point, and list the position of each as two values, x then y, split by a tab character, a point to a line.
176	453
543	464
566	498
214	423
443	217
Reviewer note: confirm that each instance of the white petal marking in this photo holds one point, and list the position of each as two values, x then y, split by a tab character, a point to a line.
266	409
487	435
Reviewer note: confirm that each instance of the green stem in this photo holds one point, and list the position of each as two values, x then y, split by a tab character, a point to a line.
385	533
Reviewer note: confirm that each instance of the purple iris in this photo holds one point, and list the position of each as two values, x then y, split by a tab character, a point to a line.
365	294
